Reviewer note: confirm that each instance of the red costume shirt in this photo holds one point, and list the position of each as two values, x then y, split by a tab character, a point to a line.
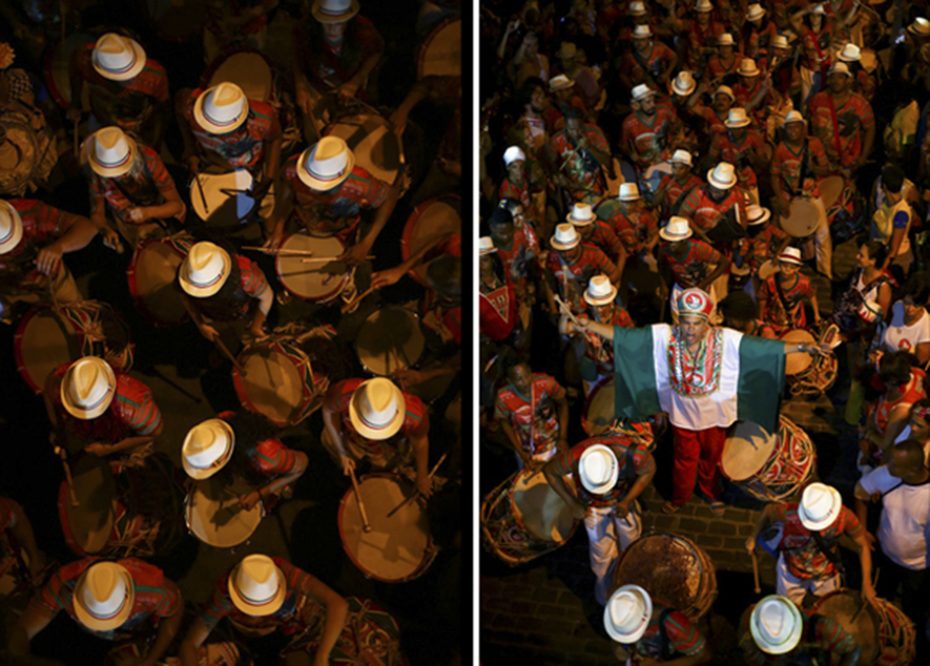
582	170
147	183
497	311
787	163
537	433
692	268
645	138
803	557
244	147
632	458
854	118
784	302
572	277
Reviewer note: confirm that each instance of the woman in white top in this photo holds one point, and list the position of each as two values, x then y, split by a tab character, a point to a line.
909	328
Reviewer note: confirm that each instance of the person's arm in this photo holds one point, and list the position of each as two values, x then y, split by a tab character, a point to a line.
552	470
351	87
389	276
196	636
884	299
337	610
861	544
896	421
720	268
100	449
514	440
358	252
167	630
278	483
283	207
771	514
36	617
25	538
335	435
643	479
814	306
206	329
265	301
421	459
79	231
417	94
922	352
98	218
863	498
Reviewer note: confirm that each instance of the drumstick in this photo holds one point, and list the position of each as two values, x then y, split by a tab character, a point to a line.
567	310
282	251
315	259
755	573
203	199
223	348
61	453
361	505
407	501
357	298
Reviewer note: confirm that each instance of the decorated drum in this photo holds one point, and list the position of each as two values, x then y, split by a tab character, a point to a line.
797	363
429	221
223	199
398	547
376	146
674	570
524	518
599	414
308	278
390	340
440	53
247	69
803	218
806	375
831	188
89	526
213	514
884	633
770	468
151	276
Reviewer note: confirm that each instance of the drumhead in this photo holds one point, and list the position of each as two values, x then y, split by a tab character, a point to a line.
843	606
90	523
313	281
151	281
213	513
746	450
389	340
802	218
18	156
830	189
429	221
270	384
797	362
441	52
377	148
545	515
668	566
397	546
600	411
248	70
41	344
228	199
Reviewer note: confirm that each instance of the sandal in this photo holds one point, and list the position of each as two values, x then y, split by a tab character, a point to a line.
668	507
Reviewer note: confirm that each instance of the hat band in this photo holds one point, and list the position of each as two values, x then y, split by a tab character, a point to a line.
255	602
220	123
208	283
193	463
113	165
110	615
326	179
373	425
98	401
120	70
335	12
582	219
674	234
9	234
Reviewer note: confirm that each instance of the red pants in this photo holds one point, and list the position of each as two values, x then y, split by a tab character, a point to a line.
697	456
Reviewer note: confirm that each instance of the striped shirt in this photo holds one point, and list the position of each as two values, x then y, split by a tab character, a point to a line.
269	457
244	147
682	636
41	225
632	455
537	431
147	183
803	556
821	634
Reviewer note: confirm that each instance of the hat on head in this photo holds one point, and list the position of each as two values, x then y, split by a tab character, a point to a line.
598	469
703	6
628	613
755	12
560	82
103	596
725	90
513	154
695	302
684	84
641	92
791	255
581	215
565	237
110	152
117	58
11	227
642	31
681	156
377	409
820	505
736	118
600	291
221	108
326	164
819	9
256	586
840	67
677	229
747	67
637	8
850	53
793	116
920	27
486	246
567	50
207	448
722	176
776	624
334	11
629	192
779	42
757	215
205	270
88	387
726	39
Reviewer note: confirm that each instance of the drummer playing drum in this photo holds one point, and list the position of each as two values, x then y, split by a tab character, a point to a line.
782	296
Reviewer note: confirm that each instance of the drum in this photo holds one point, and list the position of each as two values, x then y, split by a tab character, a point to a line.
806	375
770	468
213	514
151	277
277	380
524	518
803	218
88	527
223	199
599	414
247	69
430	221
675	571
312	280
390	339
376	146
398	548
19	156
56	69
884	633
831	188
797	363
440	53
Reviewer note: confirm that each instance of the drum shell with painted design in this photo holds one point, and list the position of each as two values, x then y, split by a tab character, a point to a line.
220	493
884	634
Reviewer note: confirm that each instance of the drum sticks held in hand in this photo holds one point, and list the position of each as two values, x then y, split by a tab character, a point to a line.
755	573
366	526
407	501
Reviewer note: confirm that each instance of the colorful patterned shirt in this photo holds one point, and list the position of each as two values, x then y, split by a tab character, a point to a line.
497	310
244	147
147	183
803	557
645	138
268	458
41	225
854	118
784	304
655	62
252	285
633	230
580	166
599	351
693	268
821	634
913	392
737	152
705	212
537	432
683	637
328	68
572	277
633	458
787	163
675	190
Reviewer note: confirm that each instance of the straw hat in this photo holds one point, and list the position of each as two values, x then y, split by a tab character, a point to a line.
677	229
567	51
681	156
920	27
850	53
757	215
221	109
565	237
793	116
726	39
88	387
755	12
747	67
513	154
104	596
641	92
205	270
637	8
326	164
722	176
703	6
110	152
334	11
840	67
207	448
820	506
486	246
695	302
598	469
560	82
780	42
257	586
117	58
791	255
600	291
629	192
725	90
776	624
628	613
581	215
684	84
736	118
377	409
642	31
11	227
819	9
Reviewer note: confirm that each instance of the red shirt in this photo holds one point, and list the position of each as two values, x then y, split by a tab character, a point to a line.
268	458
803	557
633	230
675	191
326	67
497	311
537	432
736	152
579	166
761	247
682	636
704	212
632	456
41	225
645	138
606	239
600	351
147	183
847	135
655	62
692	269
787	164
784	305
244	147
572	277
912	393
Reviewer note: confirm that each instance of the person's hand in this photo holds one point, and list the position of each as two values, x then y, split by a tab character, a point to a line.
513	25
566	326
257	329
386	278
870	540
425	486
49	259
348	89
74	114
750	545
348	464
356	254
868	594
97	449
399	122
209	332
623	508
407	377
112	240
275	239
137	215
249	500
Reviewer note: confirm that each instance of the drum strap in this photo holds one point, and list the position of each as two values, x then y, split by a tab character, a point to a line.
781	297
836	123
830	552
666	647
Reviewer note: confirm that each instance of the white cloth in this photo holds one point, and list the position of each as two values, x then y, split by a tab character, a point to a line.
904	528
795	588
899	336
608	536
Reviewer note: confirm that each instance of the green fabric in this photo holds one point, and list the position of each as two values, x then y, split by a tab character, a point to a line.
761	380
635	395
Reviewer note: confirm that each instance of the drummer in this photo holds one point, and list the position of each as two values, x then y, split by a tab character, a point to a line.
327	191
782	296
706	206
129	602
674	187
595	231
373	420
16	540
571	263
248	441
763	243
600	478
685	261
25	224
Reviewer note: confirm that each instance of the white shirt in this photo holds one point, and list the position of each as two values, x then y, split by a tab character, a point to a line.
904	530
899	336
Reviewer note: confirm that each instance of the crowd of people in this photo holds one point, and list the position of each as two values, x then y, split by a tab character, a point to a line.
267	209
690	213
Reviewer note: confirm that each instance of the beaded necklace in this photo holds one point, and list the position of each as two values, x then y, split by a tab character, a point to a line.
704	375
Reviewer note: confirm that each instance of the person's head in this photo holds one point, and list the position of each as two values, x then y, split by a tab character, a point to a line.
567	55
721	180
776	625
681	162
566	241
533	94
919	420
574	125
500	224
631	201
894	370
892	181
702	10
515	162
779	47
515	208
908	459
519	375
872	254
839	79
103	596
644	99
739	310
915	303
642	38
723	99
795	126
695	306
334	16
600	296
257	587
789	261
815	18
726	46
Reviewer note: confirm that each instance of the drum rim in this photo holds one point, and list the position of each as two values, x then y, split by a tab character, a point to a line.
189	512
518	515
810	362
18	341
391	306
445	23
832	178
330	295
223	56
366	111
585	421
450	198
867	607
197	203
242	394
773	444
133	281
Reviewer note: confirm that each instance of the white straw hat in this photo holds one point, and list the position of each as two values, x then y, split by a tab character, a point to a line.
377	409
204	270
819	9
840	67
780	42
221	109
850	53
334	11
776	624
920	27
629	192
326	164
628	613
793	116
88	387
207	448
513	154
257	586
642	31
757	215
103	596
677	229
641	92
565	237
726	39
600	291
684	84
11	227
736	118
681	156
117	58
755	12
791	255
581	215
110	152
725	90
598	469
722	176
747	67
560	82
703	6
820	505
486	246
637	8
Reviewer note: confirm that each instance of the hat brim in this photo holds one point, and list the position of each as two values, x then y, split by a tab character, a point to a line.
817	525
257	610
17	234
579	223
762	220
322	17
201	119
95	623
192	289
388	430
664	235
789	644
138	65
201	473
683	93
603	300
742	123
556	245
790	260
599	488
323	185
716	183
633	636
105	171
79	412
911	29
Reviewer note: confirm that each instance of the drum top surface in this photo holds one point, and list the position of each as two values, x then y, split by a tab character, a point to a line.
247	70
600	413
668	567
845	605
797	362
390	339
314	280
802	218
746	451
441	54
830	189
544	513
95	488
275	386
213	512
45	345
376	147
434	220
396	545
227	196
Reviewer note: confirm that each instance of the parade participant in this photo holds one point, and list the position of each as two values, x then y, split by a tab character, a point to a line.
715	116
648	633
125	87
843	121
863	83
918	427
516	184
764	241
703	33
564	102
129	181
597	232
869	283
440	307
717	204
20	557
240	23
528	62
808	560
753	91
903	386
646	130
247	441
744	147
327	192
600	478
685	261
129	602
779	633
891	223
908	326
578	153
535	102
33	238
649	62
585	80
373	420
569	266
517	247
675	187
497	299
741	313
102	411
782	296
533	413
726	60
785	74
757	32
635	225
